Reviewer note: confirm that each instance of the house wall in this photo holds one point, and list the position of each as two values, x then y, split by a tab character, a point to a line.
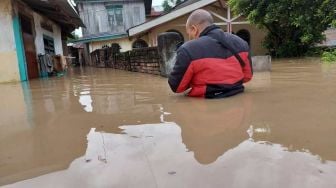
9	70
178	24
39	32
95	16
330	37
125	43
12	61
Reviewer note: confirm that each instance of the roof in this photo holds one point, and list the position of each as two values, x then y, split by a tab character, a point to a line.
100	37
59	11
179	10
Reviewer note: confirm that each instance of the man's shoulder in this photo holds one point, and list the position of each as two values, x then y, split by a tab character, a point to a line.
196	44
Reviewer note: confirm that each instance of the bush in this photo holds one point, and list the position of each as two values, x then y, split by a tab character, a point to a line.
329	56
316	51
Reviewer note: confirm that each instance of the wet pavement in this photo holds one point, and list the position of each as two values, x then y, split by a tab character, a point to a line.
110	128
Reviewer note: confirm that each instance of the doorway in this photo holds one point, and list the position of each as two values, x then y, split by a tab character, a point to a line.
29	46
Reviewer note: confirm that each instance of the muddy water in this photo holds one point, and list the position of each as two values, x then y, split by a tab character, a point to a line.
109	128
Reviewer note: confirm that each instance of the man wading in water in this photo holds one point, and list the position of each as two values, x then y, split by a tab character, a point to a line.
214	64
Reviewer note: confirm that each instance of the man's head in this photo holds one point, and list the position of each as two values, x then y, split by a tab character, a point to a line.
197	22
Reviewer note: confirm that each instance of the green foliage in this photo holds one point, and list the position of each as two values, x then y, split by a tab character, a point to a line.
333	24
315	51
75	36
293	26
329	56
169	4
166	6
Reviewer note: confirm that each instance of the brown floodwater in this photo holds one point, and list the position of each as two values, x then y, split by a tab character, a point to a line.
110	128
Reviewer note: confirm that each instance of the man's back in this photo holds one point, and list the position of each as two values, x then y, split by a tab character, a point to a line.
208	65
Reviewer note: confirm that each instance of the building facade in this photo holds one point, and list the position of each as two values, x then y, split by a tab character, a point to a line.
175	20
107	21
29	28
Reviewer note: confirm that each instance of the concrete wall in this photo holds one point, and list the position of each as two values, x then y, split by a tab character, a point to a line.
9	70
56	35
257	37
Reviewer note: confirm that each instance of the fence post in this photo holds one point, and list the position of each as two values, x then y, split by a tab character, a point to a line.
167	45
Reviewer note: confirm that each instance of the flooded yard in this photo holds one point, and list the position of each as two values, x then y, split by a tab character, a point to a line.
110	128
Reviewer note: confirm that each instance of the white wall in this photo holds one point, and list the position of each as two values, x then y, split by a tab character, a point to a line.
124	43
9	70
7	42
56	35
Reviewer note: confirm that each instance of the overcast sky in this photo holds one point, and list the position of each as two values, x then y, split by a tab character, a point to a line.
157	2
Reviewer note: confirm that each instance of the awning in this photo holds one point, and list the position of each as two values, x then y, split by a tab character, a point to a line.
59	11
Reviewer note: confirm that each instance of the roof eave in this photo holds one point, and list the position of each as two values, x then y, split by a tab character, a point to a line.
168	17
99	38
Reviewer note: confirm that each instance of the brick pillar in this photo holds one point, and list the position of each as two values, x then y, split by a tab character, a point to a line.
167	43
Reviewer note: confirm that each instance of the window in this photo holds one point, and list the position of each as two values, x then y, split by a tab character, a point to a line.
49	46
115	15
140	44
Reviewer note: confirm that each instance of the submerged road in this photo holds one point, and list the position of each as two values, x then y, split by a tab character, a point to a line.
110	128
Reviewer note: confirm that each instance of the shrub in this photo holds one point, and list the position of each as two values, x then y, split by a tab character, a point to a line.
329	56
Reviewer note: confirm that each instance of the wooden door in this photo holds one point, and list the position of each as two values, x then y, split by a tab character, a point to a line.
29	46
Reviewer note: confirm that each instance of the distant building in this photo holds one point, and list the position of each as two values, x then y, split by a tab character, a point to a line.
330	37
103	28
174	21
107	22
29	28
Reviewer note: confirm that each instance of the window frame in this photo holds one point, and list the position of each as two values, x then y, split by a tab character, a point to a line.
115	17
49	48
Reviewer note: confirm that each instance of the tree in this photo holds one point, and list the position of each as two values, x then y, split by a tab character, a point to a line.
170	4
293	25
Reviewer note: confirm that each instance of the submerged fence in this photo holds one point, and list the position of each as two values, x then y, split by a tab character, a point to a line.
145	60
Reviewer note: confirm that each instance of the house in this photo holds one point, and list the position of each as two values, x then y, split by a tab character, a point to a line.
330	38
29	28
174	21
107	22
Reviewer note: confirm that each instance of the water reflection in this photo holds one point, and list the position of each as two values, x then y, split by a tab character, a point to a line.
146	156
209	128
86	101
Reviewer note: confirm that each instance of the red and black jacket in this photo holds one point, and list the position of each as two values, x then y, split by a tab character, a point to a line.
214	66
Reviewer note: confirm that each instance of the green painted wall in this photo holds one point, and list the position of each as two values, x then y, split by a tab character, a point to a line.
20	48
